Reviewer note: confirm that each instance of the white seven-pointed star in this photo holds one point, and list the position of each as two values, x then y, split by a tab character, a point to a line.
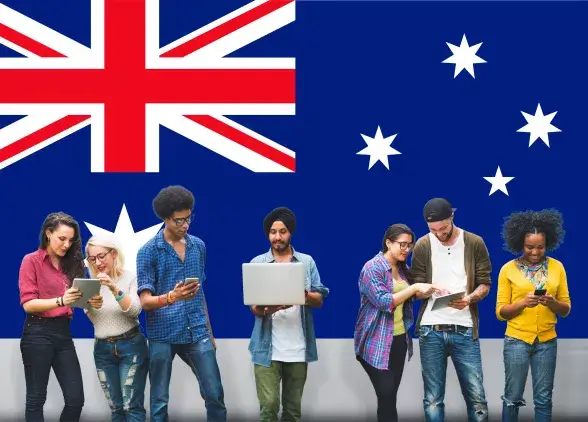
378	148
539	126
464	57
130	241
498	182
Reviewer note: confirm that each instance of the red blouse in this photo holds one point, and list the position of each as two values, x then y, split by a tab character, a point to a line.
38	279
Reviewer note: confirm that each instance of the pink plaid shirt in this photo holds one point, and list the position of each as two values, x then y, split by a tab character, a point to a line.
374	329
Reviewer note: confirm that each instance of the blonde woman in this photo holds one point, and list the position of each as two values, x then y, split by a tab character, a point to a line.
120	348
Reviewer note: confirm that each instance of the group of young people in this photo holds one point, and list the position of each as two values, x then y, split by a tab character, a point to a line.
532	292
283	340
177	321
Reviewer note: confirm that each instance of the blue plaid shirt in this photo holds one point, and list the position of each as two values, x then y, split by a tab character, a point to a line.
159	268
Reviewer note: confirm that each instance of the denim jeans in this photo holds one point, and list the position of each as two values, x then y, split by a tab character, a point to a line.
201	358
46	343
518	356
435	347
122	367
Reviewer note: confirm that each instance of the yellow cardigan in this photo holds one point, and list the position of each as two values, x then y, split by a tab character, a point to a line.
531	322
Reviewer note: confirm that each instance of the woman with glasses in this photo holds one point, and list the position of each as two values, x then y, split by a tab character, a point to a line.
382	336
120	348
46	294
532	294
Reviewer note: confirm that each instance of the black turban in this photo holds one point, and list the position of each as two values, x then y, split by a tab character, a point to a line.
282	214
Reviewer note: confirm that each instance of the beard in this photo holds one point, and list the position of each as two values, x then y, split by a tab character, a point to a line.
447	236
281	246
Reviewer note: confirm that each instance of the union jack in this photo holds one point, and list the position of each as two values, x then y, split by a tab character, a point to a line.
125	86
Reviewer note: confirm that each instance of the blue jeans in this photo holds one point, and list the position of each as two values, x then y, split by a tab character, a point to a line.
122	368
435	347
518	355
201	358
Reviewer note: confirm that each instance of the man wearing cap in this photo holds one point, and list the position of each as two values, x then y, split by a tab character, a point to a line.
455	260
283	340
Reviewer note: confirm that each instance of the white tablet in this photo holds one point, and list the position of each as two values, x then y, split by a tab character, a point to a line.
274	284
89	287
440	302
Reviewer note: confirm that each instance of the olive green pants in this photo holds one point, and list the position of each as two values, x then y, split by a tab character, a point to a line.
267	380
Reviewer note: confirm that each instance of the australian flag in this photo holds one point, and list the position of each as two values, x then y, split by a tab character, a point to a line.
351	113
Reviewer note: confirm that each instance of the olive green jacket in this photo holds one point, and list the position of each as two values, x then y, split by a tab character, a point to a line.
477	265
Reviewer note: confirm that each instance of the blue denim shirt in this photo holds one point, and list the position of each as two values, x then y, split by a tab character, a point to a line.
260	345
159	268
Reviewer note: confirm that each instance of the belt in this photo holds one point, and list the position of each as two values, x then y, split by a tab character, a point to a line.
129	334
47	320
449	328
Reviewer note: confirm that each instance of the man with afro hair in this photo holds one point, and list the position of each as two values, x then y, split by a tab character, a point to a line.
170	274
532	293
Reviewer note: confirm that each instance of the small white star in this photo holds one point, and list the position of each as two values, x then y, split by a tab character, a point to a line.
539	126
464	57
130	241
498	182
378	148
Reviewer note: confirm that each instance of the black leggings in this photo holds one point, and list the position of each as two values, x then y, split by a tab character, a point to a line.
47	344
386	383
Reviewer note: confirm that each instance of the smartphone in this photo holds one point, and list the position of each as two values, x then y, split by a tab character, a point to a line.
540	292
191	280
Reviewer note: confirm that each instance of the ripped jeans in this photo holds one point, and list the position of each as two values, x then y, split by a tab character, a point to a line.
122	368
435	346
518	356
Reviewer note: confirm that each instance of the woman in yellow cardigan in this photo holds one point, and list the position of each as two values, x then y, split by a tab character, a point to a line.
532	292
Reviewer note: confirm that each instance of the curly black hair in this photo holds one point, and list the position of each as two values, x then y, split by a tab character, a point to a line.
72	264
172	199
549	222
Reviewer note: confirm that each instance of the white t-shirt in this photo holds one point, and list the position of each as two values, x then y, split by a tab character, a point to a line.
449	273
288	342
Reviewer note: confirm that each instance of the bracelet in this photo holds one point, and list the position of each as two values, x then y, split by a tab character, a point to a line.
57	302
160	300
170	299
121	294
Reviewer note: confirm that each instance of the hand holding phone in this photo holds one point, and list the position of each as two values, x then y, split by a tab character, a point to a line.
540	292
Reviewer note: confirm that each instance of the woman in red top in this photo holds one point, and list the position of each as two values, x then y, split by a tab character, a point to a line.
45	280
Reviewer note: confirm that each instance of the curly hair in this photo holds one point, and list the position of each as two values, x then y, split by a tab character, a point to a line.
172	199
518	225
72	264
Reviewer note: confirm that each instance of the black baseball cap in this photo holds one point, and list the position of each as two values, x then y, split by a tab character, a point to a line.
437	209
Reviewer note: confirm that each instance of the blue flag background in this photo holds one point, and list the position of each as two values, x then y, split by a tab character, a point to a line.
360	65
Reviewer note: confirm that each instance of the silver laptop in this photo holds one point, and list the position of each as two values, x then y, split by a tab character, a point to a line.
274	283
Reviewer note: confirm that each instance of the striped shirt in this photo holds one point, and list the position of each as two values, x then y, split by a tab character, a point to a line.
159	269
374	329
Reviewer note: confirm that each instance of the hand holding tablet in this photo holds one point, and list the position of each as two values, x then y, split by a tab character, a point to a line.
88	287
447	299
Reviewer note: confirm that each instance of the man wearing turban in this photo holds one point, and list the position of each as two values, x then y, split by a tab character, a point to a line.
283	340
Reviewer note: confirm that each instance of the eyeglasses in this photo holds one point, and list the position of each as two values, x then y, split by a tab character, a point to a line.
404	245
181	221
100	257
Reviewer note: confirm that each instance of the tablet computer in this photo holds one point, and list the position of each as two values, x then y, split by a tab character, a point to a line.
440	302
89	287
274	284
